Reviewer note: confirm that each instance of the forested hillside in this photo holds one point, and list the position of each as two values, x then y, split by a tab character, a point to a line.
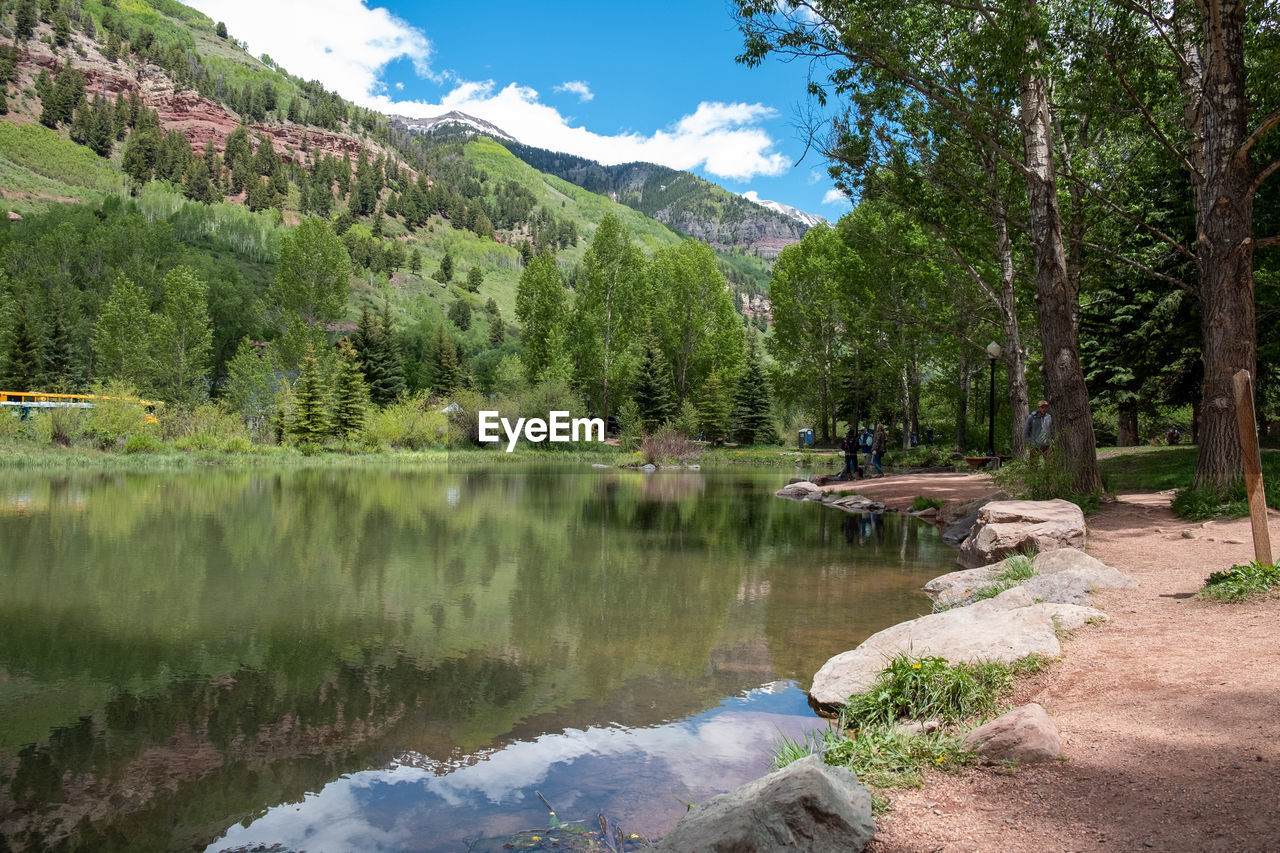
196	225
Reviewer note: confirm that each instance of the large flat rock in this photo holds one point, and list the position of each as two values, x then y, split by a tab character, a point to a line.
1005	628
1064	576
1020	527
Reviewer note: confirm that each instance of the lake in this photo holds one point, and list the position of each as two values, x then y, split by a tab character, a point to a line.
377	658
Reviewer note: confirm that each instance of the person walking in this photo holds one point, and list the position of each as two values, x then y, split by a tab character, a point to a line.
850	446
879	443
1038	432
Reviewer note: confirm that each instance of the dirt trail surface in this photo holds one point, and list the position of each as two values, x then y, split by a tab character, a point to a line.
1169	713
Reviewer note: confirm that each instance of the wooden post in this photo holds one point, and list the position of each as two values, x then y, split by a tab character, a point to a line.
1252	459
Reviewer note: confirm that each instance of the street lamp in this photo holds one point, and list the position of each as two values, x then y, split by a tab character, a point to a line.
993	352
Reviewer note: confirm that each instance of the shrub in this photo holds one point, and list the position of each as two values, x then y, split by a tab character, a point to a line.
142	442
411	423
115	415
1241	582
1045	480
668	446
1198	504
207	426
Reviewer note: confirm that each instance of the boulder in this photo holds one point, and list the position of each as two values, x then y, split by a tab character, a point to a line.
798	490
1065	576
807	805
1059	589
958	520
1094	572
1011	527
956	589
1005	628
1024	734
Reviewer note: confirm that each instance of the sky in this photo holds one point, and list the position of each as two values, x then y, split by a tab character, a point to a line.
611	81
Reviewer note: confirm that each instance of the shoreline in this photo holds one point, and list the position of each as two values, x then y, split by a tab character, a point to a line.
1165	711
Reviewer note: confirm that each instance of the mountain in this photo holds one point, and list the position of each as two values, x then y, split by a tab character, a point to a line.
452	122
807	219
681	200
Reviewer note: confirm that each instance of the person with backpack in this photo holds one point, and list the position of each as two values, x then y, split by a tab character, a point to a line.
850	446
866	444
879	443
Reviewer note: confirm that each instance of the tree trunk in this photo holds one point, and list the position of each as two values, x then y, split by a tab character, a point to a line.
1015	357
1056	299
1224	224
906	409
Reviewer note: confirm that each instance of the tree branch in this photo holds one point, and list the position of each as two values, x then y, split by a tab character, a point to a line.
1263	175
1150	119
1258	132
1146	226
1140	266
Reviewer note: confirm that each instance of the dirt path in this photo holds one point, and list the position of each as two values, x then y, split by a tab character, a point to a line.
1169	713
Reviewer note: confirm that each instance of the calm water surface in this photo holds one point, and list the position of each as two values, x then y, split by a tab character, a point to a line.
376	659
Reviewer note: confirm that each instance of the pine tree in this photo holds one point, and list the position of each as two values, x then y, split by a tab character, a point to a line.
24	26
446	369
752	406
55	351
22	369
350	394
390	384
61	28
309	424
715	409
444	275
654	398
460	314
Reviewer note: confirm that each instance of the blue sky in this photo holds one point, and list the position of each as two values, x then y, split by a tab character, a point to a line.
611	81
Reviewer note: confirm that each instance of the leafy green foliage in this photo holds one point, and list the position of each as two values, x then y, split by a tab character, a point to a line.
1240	583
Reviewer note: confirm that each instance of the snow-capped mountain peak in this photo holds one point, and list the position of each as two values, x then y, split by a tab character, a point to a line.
809	219
455	120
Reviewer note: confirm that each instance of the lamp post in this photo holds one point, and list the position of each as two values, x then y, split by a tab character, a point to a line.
993	352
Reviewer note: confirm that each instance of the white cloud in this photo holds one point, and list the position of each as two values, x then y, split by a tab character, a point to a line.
342	43
347	45
579	88
835	197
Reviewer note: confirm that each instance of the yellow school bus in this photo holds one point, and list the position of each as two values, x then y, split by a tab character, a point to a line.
25	401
